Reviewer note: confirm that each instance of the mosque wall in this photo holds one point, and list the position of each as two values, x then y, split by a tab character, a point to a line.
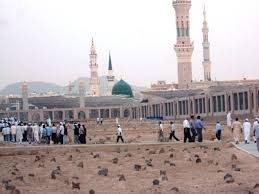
209	105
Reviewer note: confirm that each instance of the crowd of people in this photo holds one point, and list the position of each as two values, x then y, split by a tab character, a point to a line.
16	131
237	128
192	130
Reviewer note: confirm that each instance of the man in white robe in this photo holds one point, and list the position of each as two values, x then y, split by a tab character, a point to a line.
246	129
229	120
36	133
49	122
19	134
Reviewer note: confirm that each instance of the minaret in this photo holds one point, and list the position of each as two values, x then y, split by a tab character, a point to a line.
110	77
184	46
82	93
94	80
206	49
25	103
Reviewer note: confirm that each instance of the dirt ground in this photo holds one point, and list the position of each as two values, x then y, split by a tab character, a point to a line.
169	168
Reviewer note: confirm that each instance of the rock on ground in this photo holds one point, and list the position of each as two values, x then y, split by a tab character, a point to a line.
103	172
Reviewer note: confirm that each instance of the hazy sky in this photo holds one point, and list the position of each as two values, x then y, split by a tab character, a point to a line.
49	40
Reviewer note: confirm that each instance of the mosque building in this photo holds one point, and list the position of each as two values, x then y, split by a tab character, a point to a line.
209	99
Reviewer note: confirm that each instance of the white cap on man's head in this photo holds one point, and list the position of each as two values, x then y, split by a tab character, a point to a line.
61	123
118	125
256	119
247	120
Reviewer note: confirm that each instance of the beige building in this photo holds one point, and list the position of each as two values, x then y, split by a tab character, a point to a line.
213	102
184	46
94	79
81	94
161	85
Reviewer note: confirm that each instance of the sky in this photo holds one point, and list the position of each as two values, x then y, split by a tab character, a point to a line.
49	40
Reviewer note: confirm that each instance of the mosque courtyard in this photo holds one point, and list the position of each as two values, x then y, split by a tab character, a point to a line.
141	165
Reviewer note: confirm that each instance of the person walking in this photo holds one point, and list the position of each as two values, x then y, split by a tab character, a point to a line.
173	130
236	130
76	133
8	132
19	133
247	128
119	134
257	134
13	131
4	132
192	129
161	132
218	130
65	137
54	134
61	132
44	133
85	133
186	131
36	130
25	139
29	133
229	121
199	126
49	133
81	134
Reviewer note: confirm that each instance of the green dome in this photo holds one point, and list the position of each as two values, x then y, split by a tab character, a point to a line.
122	88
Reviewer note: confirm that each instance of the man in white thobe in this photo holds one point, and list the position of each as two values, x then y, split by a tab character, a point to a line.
49	122
229	120
36	133
19	133
161	132
246	129
119	134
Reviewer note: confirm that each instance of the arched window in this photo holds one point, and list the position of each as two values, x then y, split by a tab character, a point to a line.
58	115
81	115
24	116
36	117
126	113
115	113
178	29
69	115
229	103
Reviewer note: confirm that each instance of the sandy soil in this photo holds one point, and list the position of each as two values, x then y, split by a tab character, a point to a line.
178	167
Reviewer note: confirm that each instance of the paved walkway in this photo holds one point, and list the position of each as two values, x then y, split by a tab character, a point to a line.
248	148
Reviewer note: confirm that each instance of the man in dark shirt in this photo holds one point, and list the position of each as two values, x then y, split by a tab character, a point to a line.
193	130
199	126
76	133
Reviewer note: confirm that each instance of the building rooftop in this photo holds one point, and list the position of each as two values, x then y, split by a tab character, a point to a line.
194	92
